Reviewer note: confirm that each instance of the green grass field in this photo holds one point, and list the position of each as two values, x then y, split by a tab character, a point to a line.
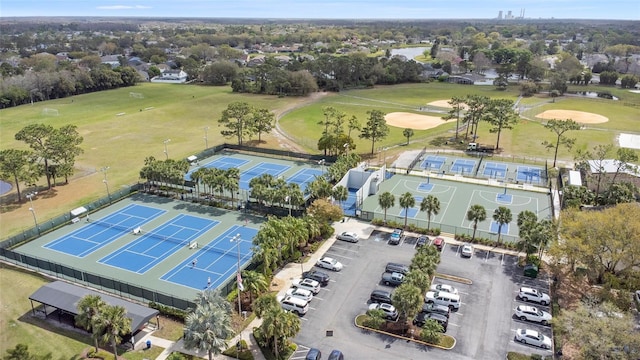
524	140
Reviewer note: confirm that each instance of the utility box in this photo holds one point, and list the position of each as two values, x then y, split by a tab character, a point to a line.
531	270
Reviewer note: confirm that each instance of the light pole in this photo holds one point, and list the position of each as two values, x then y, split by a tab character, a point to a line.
104	171
237	240
33	211
166	152
288	200
206	137
346	148
321	163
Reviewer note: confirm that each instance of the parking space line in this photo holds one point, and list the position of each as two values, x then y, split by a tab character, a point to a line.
343	249
315	297
342	256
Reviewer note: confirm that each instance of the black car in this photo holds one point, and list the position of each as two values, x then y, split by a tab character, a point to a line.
319	276
437	309
395	267
422	318
422	240
313	354
380	296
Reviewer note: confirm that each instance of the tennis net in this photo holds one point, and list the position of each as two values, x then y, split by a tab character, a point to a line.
231	251
110	225
181	242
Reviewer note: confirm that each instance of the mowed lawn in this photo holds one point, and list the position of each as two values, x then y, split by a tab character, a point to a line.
18	325
120	132
525	140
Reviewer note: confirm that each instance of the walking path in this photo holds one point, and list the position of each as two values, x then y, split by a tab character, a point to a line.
283	279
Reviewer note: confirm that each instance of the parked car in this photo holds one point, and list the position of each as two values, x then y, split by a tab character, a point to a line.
348	236
422	240
390	312
443	298
533	295
329	263
380	296
532	337
392	278
319	276
295	305
396	267
301	293
396	237
532	313
435	308
438	243
467	251
313	354
336	355
444	288
422	318
307	284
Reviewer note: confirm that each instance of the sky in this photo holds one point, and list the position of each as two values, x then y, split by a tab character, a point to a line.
327	9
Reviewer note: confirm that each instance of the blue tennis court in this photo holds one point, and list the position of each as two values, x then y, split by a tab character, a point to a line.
433	162
222	163
464	166
529	174
100	232
495	170
262	168
304	177
156	245
212	265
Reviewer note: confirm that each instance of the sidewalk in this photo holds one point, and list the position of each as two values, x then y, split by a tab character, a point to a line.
284	278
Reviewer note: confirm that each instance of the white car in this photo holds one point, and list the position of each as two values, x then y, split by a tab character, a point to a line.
532	313
532	337
444	288
307	284
467	251
530	294
348	236
329	263
301	293
389	310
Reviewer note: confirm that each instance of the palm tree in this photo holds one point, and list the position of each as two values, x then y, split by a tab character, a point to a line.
313	228
255	283
407	201
113	323
475	214
89	310
502	215
207	328
386	200
426	260
407	298
340	193
279	325
431	205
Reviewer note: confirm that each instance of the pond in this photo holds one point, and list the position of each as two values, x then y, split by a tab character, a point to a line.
594	94
5	187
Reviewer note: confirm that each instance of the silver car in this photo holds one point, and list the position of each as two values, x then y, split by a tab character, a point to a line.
348	236
532	337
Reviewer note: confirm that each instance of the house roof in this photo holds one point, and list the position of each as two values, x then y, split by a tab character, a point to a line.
65	297
610	165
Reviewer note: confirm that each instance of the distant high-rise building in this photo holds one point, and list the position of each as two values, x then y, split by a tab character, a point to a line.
500	15
509	15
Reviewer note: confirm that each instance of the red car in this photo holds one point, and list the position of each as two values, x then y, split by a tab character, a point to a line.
438	243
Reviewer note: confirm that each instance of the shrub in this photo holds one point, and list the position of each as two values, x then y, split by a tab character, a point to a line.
168	311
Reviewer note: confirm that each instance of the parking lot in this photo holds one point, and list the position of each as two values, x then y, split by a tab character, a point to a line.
484	326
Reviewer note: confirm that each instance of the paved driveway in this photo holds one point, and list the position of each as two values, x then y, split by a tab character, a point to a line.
483	326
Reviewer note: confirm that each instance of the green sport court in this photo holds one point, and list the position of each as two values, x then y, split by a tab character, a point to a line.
456	197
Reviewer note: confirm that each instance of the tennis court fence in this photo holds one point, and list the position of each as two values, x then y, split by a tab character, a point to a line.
444	228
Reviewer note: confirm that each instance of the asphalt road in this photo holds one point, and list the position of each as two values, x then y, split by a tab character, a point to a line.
484	326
